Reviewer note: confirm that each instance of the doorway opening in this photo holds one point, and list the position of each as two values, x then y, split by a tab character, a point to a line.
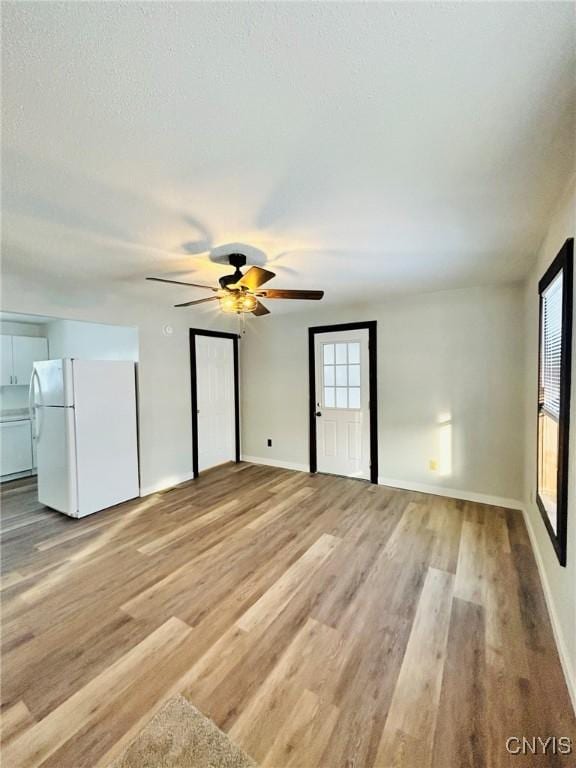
343	406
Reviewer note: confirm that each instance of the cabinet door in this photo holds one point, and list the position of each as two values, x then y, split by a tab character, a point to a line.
16	451
26	350
6	361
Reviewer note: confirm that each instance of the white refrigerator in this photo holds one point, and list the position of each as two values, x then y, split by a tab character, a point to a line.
84	426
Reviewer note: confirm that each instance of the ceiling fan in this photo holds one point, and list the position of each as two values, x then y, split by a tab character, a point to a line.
240	293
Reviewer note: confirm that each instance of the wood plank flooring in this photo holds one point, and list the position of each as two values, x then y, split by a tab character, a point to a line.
320	621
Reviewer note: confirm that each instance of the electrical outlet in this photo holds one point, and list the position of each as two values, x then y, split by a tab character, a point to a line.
269	443
433	465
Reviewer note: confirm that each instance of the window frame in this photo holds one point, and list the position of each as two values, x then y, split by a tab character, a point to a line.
562	263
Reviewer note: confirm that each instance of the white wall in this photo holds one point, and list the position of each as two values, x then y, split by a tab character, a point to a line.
458	352
163	369
17	396
560	582
92	341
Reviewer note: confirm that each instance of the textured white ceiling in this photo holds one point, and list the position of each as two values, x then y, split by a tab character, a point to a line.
365	148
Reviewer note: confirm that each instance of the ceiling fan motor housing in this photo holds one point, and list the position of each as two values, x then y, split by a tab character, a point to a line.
236	260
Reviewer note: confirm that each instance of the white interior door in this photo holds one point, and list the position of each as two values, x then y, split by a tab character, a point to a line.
342	403
215	401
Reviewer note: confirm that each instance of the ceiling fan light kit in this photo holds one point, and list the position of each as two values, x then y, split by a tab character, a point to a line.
242	302
241	293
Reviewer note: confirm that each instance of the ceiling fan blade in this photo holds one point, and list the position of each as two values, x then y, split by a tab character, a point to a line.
260	310
281	293
179	282
197	301
255	277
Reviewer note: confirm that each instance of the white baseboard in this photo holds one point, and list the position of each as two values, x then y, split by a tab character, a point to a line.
166	483
277	463
453	493
565	661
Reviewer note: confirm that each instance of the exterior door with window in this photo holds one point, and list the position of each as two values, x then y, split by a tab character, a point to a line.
342	403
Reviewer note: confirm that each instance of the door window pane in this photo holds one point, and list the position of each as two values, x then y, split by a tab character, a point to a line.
354	375
341	379
341	353
328	354
329	400
354	397
354	352
341	397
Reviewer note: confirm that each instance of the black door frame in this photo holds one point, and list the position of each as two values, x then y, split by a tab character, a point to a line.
370	325
194	391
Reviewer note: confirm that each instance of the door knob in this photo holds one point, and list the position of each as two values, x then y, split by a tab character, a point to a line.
318	413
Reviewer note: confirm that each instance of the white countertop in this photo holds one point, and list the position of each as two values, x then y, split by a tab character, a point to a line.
14	414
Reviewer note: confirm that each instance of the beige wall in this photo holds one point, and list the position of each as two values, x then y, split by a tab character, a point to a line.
458	352
561	582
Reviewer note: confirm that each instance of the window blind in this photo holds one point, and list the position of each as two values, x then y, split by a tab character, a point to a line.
551	348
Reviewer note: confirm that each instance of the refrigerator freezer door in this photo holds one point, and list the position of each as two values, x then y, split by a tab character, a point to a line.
106	436
56	452
53	384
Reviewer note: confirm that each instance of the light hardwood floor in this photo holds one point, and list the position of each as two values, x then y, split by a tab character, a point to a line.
319	621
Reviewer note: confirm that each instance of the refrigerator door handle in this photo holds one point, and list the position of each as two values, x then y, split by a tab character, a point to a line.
32	405
31	396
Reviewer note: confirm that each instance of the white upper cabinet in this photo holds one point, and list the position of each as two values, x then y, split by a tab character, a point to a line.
19	353
6	361
26	350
